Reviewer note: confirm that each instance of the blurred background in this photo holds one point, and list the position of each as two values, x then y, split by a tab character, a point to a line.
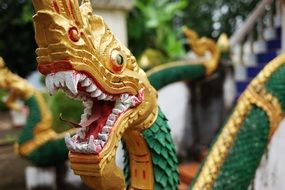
153	32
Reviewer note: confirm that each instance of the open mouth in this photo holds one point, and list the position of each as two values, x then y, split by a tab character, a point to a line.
101	110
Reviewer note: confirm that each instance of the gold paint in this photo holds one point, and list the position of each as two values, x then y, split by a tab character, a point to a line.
91	54
17	86
223	43
88	167
140	160
270	105
46	117
254	95
201	47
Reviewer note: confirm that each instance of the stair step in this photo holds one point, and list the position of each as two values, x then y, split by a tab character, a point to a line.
241	86
188	171
251	72
273	44
265	57
278	32
262	64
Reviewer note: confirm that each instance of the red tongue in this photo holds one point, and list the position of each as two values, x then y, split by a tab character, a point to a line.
96	126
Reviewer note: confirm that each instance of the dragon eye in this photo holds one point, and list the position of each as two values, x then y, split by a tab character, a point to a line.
117	61
74	34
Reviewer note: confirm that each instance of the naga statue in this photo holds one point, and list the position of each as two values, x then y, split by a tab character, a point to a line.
38	141
78	53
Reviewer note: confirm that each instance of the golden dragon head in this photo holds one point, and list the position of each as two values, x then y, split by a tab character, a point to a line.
201	46
78	53
17	86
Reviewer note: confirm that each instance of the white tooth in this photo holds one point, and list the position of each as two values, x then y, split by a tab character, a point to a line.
124	97
91	144
121	107
87	111
84	148
84	118
49	84
62	83
81	133
102	96
109	98
56	80
91	88
110	122
82	77
112	117
116	111
71	80
106	129
86	82
69	143
96	93
88	104
78	147
91	139
103	137
97	142
102	143
74	138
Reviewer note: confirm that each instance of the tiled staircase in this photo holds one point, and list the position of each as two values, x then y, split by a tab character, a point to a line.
264	25
273	47
249	57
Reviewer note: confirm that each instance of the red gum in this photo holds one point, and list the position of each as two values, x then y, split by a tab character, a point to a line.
63	65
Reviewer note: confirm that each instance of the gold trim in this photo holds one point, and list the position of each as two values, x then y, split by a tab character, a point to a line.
17	86
201	47
223	43
256	95
46	117
270	105
40	139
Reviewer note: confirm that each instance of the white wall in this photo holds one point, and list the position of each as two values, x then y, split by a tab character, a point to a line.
116	21
271	172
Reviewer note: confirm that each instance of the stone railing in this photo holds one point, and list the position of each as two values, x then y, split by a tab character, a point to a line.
113	4
251	36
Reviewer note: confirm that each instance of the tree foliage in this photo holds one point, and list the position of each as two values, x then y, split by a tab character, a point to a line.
17	44
213	17
150	24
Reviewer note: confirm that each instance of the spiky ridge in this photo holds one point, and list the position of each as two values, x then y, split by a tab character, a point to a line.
240	165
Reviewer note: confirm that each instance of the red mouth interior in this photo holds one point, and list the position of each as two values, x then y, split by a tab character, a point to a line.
103	110
100	111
